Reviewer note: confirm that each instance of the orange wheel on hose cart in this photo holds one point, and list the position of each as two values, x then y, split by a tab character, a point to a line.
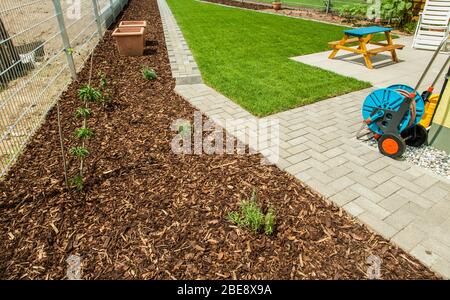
391	145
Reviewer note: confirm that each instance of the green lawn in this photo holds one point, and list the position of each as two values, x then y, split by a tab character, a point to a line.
245	56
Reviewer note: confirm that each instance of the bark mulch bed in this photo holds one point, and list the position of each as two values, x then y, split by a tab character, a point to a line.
254	6
302	12
148	213
306	13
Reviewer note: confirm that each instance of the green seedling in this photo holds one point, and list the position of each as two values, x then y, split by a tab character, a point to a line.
77	182
103	80
89	94
80	152
149	74
82	112
251	217
84	133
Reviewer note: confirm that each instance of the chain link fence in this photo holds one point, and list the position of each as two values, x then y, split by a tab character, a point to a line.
43	43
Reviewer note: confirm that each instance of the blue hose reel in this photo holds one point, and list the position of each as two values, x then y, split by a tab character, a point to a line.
388	114
390	98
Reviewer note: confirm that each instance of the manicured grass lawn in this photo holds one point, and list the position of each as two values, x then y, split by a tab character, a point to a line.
245	56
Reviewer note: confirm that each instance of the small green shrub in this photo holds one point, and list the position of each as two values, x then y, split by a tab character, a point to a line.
352	11
89	94
410	27
105	98
84	133
251	217
149	74
80	152
77	182
269	222
82	112
397	11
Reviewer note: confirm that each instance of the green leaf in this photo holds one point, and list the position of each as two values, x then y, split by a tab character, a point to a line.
79	152
82	112
84	133
89	94
77	182
149	74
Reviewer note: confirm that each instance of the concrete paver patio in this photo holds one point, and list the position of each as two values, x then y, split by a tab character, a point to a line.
404	203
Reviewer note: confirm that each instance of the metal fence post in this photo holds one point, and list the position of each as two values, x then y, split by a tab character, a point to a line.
65	38
113	13
97	18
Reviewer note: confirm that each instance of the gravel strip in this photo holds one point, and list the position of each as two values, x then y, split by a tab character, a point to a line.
427	157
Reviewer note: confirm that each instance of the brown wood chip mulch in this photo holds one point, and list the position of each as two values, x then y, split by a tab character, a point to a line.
148	213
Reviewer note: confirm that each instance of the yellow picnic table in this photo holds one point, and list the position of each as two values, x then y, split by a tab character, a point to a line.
364	36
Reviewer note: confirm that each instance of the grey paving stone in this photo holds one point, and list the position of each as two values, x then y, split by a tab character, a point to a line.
436	193
382	176
333	152
363	180
407	184
333	143
318	165
341	183
336	161
338	171
282	164
297	149
393	202
343	197
435	246
425	256
303	176
320	176
366	193
316	155
409	237
357	168
400	218
353	209
314	146
378	225
324	189
413	197
442	267
296	158
376	165
372	207
298	167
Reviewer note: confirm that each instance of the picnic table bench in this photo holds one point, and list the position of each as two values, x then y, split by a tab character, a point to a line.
364	37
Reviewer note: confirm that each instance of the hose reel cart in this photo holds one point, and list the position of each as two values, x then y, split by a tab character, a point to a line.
393	114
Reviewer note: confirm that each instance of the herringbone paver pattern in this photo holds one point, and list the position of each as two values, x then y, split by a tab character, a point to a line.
404	203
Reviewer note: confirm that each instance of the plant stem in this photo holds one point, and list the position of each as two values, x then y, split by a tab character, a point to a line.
61	141
83	142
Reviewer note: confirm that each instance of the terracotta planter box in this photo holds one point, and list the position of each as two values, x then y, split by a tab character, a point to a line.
276	5
127	24
130	40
